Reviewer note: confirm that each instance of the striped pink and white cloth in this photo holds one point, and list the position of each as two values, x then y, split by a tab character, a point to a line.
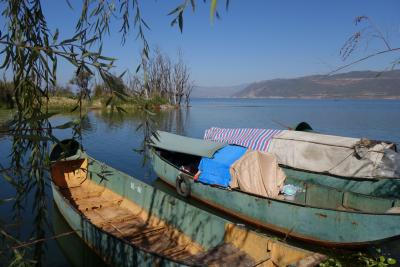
255	139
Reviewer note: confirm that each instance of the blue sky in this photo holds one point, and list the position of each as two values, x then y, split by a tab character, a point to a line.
254	40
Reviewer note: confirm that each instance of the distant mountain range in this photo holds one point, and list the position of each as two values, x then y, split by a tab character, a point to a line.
355	84
216	91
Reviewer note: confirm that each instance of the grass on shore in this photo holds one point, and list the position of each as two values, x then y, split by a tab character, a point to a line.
64	104
67	104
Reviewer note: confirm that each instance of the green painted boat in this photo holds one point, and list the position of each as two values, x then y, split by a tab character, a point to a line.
320	213
75	251
130	223
381	188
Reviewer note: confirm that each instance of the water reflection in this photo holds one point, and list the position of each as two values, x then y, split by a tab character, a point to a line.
87	125
5	115
168	120
175	121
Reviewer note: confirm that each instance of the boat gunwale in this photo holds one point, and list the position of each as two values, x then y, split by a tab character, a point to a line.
279	200
56	187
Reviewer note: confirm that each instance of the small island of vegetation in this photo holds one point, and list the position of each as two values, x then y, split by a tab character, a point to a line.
162	84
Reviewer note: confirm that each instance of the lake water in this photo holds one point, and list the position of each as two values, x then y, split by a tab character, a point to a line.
114	138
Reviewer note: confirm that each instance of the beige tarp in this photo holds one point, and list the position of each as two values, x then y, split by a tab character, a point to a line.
342	156
258	173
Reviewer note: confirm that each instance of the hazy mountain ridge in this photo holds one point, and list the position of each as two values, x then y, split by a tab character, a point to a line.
355	84
216	91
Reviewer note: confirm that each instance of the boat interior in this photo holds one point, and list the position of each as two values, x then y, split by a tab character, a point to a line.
310	194
127	221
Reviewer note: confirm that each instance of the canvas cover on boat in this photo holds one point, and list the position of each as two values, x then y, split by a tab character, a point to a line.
336	155
256	139
216	171
258	173
186	145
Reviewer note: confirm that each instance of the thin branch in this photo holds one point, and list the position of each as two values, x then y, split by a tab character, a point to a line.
44	239
364	58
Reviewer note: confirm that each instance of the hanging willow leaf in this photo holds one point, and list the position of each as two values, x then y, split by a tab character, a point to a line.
177	9
33	137
44	116
139	126
90	41
213	9
67	125
121	110
193	4
69	4
109	101
55	37
180	20
75	108
6	60
145	24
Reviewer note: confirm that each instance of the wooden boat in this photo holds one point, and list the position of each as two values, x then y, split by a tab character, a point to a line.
130	223
320	214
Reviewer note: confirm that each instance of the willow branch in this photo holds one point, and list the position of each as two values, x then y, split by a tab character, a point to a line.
44	239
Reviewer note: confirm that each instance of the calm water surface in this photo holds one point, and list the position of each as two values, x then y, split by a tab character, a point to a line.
113	140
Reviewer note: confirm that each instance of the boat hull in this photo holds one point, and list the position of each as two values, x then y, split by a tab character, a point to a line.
109	248
386	187
204	229
323	226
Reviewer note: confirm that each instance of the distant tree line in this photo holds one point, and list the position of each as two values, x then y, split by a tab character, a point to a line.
160	79
62	91
170	80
